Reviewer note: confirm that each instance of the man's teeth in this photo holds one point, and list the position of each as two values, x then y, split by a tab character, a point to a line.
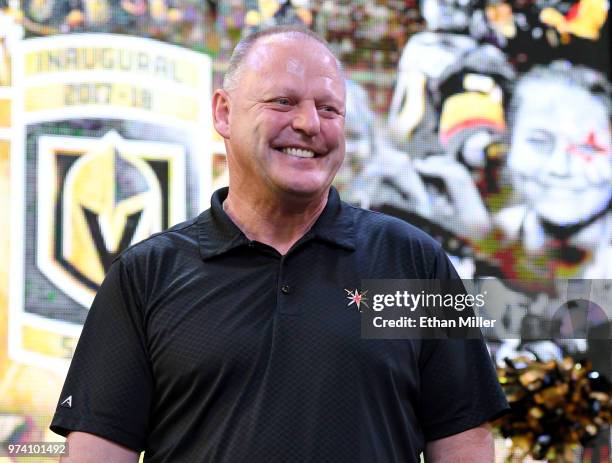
298	152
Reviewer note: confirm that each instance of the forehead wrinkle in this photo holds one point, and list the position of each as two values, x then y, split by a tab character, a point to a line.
330	90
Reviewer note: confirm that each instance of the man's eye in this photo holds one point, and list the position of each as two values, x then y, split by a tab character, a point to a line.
327	108
589	149
541	140
283	101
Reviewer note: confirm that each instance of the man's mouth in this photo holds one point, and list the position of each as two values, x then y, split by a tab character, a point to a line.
298	152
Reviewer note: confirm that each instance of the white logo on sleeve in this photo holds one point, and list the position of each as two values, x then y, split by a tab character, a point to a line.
67	402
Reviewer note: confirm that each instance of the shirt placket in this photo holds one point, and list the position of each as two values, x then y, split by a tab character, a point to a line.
286	289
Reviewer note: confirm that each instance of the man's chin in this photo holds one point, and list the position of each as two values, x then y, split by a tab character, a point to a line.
574	208
304	191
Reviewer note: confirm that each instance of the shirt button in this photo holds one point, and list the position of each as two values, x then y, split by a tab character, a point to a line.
286	289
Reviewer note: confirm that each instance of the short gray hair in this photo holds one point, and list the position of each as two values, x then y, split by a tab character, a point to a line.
242	49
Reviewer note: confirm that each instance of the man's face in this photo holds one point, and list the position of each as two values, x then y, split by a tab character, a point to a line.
286	118
561	152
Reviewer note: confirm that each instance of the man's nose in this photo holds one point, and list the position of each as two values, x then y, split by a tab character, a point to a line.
306	119
559	162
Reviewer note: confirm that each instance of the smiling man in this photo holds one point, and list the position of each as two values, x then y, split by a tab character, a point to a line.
228	338
281	112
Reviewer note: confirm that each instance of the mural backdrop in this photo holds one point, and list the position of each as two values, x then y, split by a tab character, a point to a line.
486	123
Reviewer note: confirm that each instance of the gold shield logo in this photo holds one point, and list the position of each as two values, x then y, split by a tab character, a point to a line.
96	198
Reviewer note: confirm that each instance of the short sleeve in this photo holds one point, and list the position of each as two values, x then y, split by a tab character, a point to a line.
459	385
443	268
109	385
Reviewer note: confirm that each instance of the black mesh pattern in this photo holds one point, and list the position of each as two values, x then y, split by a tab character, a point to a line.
204	346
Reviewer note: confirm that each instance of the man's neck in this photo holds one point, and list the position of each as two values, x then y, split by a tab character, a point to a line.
275	222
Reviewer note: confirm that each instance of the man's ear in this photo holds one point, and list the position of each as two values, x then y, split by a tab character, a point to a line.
220	112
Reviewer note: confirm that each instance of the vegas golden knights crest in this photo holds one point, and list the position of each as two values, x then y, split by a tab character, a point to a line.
96	197
110	144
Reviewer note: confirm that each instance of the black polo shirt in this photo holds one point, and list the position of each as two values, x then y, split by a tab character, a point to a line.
204	346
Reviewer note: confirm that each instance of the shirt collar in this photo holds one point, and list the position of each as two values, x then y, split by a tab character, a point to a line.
218	234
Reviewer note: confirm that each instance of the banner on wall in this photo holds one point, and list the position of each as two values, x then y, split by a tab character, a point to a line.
108	149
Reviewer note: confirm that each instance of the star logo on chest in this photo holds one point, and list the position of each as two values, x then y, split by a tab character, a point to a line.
357	298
